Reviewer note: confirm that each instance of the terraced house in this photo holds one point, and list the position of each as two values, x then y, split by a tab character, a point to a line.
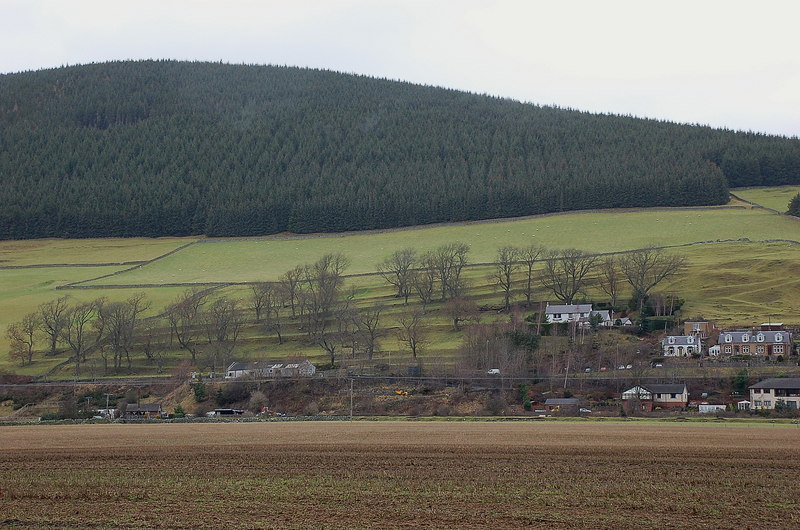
761	342
681	345
771	393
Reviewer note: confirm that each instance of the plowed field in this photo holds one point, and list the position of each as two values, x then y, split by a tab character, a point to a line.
401	475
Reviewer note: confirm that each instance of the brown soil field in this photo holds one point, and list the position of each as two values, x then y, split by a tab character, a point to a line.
401	475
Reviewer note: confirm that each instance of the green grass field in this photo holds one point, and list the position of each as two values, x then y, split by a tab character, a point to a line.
742	272
612	231
775	198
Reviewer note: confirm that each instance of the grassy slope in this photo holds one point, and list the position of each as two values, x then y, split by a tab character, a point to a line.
608	231
733	283
775	198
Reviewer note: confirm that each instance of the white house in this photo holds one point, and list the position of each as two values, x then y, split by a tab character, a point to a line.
652	396
681	345
580	313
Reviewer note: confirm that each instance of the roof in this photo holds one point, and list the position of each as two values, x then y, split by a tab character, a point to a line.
562	401
778	382
572	308
666	389
680	340
746	337
145	407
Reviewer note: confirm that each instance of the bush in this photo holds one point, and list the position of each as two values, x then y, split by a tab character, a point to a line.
495	404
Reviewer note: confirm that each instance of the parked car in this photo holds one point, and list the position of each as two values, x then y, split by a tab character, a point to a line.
585	411
493	371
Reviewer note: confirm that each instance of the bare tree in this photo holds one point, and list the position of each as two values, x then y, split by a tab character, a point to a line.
423	281
397	270
448	261
610	278
77	330
367	322
461	310
412	332
53	318
291	284
529	256
275	297
226	323
120	319
21	336
184	318
505	267
644	269
566	273
257	298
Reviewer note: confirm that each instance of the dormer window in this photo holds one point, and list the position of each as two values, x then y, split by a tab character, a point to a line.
760	337
745	337
778	337
728	338
690	340
671	340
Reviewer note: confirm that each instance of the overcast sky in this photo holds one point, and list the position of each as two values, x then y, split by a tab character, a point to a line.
733	64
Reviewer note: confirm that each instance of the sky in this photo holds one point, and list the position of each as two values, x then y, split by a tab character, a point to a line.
731	64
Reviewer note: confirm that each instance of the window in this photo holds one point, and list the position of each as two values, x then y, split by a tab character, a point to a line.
760	337
756	403
728	338
671	340
778	337
746	349
557	315
760	348
690	339
745	337
728	349
767	404
778	348
689	350
671	350
767	390
673	396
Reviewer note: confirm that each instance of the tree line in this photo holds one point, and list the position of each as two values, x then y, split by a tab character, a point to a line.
158	148
313	301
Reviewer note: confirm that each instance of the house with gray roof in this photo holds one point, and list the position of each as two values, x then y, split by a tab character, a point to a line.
580	313
268	369
760	342
657	396
767	393
681	345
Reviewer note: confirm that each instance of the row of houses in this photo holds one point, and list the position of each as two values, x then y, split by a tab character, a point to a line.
769	394
767	340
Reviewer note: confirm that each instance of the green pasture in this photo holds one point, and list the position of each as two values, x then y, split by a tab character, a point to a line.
609	231
736	283
74	251
775	198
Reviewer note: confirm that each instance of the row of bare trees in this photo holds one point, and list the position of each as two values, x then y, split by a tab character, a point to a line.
110	328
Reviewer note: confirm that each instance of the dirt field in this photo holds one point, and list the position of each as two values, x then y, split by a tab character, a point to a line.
401	475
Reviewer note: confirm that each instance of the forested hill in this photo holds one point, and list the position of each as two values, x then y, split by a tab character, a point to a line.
174	148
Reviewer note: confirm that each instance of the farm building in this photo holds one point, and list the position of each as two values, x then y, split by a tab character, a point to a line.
768	393
652	397
144	411
681	345
761	342
562	404
262	369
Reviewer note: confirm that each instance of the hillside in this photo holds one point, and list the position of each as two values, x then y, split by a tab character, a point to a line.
175	148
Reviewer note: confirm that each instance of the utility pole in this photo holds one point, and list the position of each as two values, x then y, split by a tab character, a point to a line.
107	396
351	400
